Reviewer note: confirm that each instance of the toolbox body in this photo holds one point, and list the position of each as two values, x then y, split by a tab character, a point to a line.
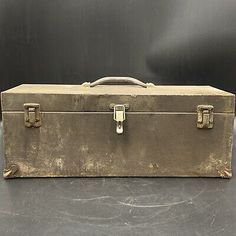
99	129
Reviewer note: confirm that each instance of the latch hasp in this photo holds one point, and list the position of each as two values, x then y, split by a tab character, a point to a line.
32	116
205	119
119	115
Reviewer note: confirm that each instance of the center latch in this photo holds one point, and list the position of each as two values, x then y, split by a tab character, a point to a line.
119	116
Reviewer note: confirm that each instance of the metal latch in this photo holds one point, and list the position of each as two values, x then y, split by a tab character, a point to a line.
205	117
119	116
32	115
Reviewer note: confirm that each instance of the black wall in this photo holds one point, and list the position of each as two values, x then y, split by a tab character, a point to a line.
163	41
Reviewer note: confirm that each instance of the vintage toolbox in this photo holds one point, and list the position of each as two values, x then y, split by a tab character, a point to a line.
117	126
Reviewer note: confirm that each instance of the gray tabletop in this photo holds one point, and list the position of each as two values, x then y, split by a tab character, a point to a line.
118	206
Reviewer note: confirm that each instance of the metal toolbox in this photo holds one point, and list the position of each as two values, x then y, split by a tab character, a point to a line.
117	126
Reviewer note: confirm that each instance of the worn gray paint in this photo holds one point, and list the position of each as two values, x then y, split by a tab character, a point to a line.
77	136
85	144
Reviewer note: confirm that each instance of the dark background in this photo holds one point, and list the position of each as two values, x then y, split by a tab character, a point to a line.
161	41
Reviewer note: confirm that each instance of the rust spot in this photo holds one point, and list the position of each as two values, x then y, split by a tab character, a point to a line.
154	165
212	165
223	170
59	163
10	171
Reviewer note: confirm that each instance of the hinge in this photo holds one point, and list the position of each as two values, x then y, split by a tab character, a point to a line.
119	116
32	115
205	119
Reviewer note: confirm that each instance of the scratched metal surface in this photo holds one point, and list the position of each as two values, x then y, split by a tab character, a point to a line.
118	206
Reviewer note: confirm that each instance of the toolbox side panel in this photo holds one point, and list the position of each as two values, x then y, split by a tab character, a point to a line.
86	144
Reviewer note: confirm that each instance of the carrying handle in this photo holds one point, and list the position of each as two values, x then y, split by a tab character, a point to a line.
115	80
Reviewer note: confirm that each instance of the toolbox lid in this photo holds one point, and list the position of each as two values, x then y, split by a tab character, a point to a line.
98	98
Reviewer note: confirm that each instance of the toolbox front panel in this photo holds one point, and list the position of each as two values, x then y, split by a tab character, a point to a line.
86	144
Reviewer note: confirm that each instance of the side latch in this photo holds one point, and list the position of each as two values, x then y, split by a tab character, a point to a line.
119	116
205	119
32	115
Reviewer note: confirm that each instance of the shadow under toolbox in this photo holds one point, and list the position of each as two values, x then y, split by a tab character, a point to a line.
100	129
